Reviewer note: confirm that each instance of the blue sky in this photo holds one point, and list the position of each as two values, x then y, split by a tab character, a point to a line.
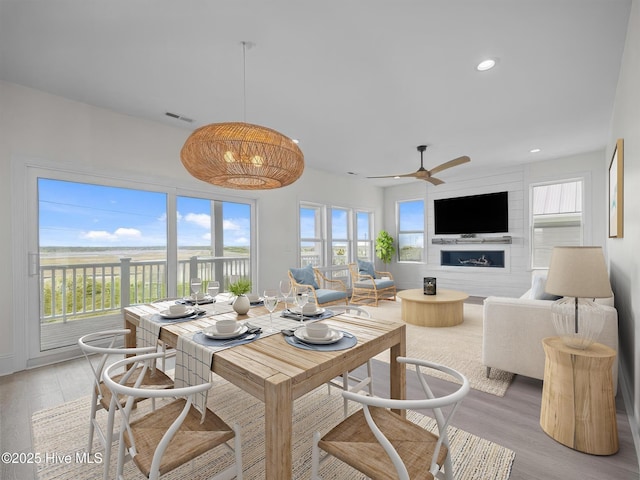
77	214
412	218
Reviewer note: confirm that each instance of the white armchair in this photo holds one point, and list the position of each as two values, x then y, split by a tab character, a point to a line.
513	329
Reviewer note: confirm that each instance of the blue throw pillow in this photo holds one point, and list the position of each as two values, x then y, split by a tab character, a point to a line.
366	268
304	275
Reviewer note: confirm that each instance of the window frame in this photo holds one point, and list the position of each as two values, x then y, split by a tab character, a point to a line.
584	181
400	232
26	238
326	240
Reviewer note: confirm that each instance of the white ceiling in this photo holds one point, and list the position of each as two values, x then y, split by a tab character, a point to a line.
360	83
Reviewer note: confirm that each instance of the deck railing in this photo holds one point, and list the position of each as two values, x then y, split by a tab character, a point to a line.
85	290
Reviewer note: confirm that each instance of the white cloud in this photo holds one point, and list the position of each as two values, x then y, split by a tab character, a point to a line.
98	235
231	225
128	233
200	219
119	234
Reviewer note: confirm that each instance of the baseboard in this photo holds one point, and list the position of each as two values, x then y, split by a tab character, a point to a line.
627	396
7	365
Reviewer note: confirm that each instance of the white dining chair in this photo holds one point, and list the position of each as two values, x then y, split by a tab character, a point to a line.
348	381
174	433
386	446
107	345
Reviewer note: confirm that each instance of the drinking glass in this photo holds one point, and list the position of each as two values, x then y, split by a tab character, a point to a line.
301	297
212	289
285	290
196	283
270	303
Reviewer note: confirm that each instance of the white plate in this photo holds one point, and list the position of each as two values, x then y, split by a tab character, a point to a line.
296	310
205	299
167	313
212	332
332	337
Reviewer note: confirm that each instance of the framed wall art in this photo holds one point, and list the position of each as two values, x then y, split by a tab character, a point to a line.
616	177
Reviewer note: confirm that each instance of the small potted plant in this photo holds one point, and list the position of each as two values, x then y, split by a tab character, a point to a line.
239	288
384	247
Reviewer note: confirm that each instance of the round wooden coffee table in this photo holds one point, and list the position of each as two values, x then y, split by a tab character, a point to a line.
445	309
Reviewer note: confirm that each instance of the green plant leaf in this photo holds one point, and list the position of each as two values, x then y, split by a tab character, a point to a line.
240	286
385	248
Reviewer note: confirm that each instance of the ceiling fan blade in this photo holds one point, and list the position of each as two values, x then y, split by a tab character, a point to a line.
398	176
386	176
451	163
434	180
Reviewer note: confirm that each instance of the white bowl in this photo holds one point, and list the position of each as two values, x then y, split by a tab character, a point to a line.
317	330
226	326
177	309
309	308
253	297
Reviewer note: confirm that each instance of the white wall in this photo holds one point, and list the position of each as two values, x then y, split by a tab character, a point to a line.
50	131
623	252
513	280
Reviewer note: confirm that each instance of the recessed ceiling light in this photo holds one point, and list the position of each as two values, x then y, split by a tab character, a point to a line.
295	140
486	65
534	150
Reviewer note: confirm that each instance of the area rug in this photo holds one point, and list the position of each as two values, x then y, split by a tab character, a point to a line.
64	430
458	347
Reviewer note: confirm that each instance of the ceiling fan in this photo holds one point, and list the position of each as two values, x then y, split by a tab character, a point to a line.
426	175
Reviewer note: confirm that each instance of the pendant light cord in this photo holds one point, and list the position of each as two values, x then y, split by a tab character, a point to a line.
244	82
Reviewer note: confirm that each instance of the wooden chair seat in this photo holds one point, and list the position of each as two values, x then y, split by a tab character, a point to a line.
353	442
386	446
190	441
172	434
155	379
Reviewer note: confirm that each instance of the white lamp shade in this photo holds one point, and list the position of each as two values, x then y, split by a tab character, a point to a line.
579	272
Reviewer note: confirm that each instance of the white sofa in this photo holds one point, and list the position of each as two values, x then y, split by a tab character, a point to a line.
513	329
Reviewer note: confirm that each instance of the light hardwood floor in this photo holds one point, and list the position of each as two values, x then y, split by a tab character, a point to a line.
511	421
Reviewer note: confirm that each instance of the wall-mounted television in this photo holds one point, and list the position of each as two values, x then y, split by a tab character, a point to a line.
487	213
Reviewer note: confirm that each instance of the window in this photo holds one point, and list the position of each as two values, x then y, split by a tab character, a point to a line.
347	235
340	238
364	225
556	219
410	231
102	247
311	235
216	237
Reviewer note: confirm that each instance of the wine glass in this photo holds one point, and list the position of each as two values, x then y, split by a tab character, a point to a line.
301	297
212	289
196	283
285	290
270	303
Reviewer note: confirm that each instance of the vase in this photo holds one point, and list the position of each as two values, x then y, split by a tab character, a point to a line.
241	304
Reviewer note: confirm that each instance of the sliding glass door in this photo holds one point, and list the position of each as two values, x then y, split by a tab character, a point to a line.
96	245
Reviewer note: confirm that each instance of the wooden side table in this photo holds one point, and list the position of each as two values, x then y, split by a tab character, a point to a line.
578	403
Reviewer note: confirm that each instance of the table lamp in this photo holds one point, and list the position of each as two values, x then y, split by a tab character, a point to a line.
578	274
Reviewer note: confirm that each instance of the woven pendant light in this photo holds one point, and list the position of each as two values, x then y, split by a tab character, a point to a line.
242	156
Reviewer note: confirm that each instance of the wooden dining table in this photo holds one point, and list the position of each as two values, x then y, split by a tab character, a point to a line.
278	373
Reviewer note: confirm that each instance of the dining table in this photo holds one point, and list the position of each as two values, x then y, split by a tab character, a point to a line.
276	372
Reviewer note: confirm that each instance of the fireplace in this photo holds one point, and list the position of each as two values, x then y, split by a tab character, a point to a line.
472	258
